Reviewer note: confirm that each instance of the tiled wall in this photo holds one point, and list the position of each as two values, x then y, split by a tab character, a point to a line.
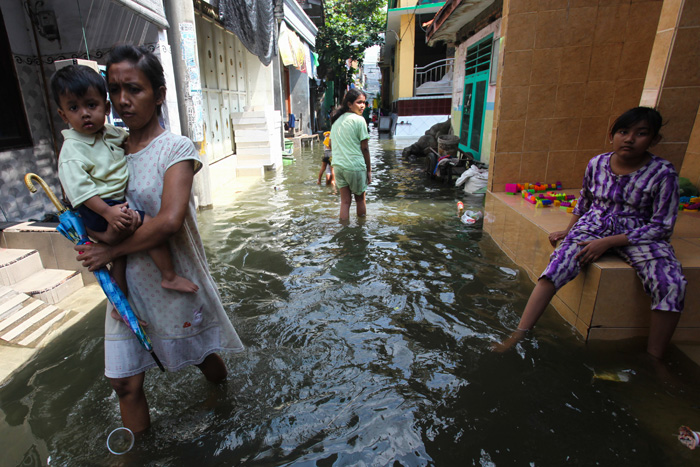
691	162
673	78
567	70
685	64
15	200
458	89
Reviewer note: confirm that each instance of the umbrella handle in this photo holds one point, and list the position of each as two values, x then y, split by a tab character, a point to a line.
28	181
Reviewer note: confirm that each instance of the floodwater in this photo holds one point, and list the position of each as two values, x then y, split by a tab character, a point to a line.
367	344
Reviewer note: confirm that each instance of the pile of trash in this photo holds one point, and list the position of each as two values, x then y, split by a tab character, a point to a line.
428	143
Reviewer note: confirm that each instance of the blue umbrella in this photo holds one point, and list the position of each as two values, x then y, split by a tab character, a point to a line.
71	226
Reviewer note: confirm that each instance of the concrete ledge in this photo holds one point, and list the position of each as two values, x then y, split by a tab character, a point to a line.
55	250
87	300
606	301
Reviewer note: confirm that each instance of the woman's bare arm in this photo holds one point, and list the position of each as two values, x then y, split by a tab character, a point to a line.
364	146
177	186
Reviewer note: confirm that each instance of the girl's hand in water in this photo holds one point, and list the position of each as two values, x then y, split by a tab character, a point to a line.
93	255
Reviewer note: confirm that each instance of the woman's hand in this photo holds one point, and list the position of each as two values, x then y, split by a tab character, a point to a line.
369	177
93	255
592	250
554	237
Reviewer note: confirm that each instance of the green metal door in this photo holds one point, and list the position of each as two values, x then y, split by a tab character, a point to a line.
476	79
473	112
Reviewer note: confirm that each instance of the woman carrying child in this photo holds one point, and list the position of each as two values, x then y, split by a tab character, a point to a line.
628	205
93	170
185	329
349	143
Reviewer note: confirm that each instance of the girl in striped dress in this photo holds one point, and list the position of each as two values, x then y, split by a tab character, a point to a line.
628	205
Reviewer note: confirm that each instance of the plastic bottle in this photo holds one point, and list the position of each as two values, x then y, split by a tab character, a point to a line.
460	208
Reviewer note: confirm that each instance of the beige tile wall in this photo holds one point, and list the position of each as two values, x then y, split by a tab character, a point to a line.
673	82
568	68
691	162
689	29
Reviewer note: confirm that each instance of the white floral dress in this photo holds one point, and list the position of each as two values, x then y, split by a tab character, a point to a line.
184	328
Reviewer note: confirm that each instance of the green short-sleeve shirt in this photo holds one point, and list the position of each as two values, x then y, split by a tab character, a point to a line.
346	135
93	165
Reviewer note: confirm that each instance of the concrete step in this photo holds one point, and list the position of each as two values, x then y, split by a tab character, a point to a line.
50	285
24	320
243	152
250	171
254	160
18	264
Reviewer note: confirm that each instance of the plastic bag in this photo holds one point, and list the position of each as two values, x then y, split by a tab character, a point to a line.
470	217
474	179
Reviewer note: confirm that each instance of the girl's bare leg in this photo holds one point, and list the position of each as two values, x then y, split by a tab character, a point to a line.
132	402
361	201
539	299
214	368
345	202
663	324
537	303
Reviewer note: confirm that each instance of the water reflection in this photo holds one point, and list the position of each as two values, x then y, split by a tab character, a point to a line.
367	344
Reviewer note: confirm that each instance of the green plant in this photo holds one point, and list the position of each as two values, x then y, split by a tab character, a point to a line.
350	27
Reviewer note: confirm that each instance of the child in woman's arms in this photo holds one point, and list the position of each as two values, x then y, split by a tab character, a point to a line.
628	205
93	171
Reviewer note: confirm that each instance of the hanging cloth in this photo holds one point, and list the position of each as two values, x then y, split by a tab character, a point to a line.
253	22
286	49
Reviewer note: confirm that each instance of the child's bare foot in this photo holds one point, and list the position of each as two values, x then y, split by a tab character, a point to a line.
115	314
180	284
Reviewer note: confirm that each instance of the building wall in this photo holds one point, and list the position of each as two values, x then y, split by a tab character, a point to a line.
458	89
566	72
691	162
260	84
403	75
672	83
223	76
16	203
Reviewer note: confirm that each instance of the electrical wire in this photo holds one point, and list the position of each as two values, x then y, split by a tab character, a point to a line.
413	18
87	52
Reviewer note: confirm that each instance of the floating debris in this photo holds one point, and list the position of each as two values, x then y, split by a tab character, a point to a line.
688	437
622	376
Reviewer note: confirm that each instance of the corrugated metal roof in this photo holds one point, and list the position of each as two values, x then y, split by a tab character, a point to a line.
452	17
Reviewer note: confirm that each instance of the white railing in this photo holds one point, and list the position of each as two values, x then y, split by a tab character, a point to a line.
438	72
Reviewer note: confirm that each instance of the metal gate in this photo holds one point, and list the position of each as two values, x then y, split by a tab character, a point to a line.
222	63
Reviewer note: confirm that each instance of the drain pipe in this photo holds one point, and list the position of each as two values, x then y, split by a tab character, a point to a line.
182	36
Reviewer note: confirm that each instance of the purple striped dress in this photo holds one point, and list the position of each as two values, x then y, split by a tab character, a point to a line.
643	205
